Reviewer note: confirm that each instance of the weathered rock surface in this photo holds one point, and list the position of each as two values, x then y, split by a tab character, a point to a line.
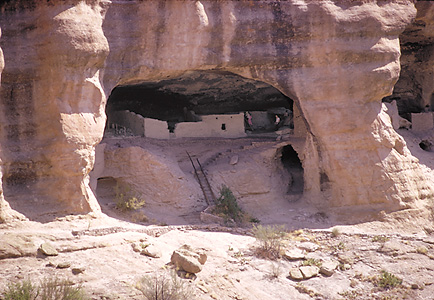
158	180
52	104
18	244
232	268
397	121
393	248
323	54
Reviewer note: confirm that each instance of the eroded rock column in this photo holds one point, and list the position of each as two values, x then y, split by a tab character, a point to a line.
352	62
53	106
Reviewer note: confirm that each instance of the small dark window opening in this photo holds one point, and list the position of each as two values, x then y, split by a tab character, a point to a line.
324	181
171	126
223	126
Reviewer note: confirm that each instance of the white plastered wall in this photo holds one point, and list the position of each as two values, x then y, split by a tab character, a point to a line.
229	126
130	120
156	129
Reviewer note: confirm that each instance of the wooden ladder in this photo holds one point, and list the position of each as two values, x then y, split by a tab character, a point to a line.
203	182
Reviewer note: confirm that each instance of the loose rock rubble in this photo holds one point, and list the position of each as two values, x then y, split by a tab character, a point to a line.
223	265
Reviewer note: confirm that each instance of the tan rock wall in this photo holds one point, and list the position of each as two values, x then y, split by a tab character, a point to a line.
337	59
52	105
157	179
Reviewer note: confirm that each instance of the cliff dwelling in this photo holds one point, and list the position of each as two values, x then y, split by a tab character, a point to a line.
146	140
198	104
225	121
242	65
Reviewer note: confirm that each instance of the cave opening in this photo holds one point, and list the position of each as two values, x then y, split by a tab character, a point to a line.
239	105
292	163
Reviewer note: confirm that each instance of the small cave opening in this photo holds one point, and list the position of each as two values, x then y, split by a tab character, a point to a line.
426	145
292	163
106	192
249	105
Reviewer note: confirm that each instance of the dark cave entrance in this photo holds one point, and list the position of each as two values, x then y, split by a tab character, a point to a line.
195	94
292	163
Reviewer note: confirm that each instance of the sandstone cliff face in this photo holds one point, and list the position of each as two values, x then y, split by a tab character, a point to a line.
414	90
52	105
336	59
158	180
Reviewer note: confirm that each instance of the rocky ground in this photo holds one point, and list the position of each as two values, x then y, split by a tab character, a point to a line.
100	254
321	258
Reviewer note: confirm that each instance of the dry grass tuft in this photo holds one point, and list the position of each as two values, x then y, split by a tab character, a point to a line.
270	241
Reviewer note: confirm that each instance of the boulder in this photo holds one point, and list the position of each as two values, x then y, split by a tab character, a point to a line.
293	254
393	248
78	270
295	274
328	268
188	259
152	251
308	246
309	271
48	249
17	245
346	258
136	247
63	265
234	160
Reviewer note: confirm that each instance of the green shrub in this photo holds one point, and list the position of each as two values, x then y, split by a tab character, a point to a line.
227	205
127	199
254	220
55	289
380	238
24	290
388	280
270	240
338	247
164	286
312	262
49	289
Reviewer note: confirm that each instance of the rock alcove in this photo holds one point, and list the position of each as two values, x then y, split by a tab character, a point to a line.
202	94
197	93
